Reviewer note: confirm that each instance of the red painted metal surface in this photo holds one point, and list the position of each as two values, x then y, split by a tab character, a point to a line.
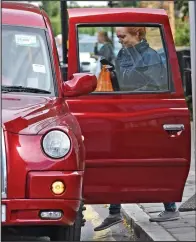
24	154
28	114
22	14
80	84
128	153
26	211
25	119
124	16
129	156
39	184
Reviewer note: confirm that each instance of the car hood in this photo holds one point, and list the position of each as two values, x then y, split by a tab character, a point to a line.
25	114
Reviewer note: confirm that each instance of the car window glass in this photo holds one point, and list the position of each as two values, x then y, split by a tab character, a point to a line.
124	58
26	61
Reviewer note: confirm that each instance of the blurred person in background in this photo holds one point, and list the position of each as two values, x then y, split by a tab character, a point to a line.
105	47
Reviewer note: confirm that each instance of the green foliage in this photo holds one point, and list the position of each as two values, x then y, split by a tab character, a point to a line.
182	37
87	30
56	25
124	3
132	3
52	8
73	4
92	30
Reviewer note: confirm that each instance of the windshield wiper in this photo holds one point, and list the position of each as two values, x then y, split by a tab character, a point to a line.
22	89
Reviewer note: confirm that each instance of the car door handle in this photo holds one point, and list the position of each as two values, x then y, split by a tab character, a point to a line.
173	127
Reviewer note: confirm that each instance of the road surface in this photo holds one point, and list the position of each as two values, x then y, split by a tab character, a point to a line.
94	215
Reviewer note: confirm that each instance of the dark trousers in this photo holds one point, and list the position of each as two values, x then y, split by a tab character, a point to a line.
115	208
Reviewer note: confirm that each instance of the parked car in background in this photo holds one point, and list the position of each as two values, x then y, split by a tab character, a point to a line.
86	44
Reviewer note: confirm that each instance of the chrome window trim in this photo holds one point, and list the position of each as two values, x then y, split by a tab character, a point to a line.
4	168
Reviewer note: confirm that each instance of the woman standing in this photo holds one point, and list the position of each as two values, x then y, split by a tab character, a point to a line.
106	49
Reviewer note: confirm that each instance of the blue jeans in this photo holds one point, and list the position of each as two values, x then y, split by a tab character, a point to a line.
115	208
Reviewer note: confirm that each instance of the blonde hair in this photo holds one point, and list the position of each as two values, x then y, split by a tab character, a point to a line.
141	31
105	35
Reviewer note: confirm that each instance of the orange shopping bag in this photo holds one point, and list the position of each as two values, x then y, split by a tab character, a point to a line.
104	83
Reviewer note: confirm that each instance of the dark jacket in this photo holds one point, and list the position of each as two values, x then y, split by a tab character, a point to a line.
140	68
105	51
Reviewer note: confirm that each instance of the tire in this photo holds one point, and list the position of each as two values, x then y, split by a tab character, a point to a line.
68	233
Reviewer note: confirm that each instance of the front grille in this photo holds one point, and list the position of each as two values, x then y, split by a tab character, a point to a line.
3	169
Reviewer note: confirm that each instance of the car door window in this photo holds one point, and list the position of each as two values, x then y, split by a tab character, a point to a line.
125	58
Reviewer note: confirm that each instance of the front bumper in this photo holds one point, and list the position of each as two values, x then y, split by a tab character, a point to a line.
26	211
39	197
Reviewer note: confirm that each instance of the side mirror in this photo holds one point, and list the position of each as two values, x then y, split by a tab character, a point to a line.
80	84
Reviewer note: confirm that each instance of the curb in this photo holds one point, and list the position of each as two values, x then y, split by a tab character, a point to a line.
189	205
142	228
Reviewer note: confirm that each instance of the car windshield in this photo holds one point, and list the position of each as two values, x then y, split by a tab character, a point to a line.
25	58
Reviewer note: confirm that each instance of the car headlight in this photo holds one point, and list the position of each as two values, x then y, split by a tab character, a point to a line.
56	144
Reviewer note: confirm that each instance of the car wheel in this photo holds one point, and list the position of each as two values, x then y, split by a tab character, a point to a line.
68	233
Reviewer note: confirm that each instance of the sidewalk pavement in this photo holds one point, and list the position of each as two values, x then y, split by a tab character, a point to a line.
183	229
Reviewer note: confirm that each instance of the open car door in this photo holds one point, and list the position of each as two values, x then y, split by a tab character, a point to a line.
137	141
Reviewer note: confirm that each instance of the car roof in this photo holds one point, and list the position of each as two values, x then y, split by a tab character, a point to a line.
80	12
118	15
22	14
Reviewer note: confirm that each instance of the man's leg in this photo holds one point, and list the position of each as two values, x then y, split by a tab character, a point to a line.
171	207
170	213
114	217
114	209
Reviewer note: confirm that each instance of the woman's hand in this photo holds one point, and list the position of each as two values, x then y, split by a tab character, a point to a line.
94	56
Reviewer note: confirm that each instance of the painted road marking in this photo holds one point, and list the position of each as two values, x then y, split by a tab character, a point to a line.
92	216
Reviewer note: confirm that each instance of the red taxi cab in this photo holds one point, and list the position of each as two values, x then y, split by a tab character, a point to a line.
65	143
